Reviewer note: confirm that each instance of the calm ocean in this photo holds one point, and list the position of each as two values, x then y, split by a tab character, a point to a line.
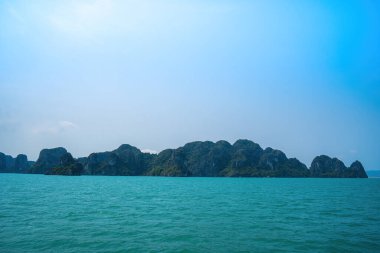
156	214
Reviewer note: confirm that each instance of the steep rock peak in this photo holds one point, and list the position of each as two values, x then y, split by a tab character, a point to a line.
357	165
124	147
53	151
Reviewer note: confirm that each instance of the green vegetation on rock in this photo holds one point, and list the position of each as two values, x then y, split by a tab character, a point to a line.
67	167
198	159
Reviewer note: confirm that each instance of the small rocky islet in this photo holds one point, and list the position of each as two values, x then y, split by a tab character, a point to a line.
244	158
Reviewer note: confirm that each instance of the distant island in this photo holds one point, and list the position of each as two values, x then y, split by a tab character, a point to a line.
244	158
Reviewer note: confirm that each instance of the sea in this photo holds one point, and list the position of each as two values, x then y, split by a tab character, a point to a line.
169	214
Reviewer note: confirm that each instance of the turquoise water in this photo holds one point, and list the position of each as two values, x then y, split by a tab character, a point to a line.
154	214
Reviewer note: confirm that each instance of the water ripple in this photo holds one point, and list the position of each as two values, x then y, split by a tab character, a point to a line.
153	214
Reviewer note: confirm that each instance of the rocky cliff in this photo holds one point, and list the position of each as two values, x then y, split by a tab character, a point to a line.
324	166
67	166
199	159
20	164
125	160
48	159
242	159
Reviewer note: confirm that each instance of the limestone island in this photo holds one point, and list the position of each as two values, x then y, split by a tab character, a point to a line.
196	159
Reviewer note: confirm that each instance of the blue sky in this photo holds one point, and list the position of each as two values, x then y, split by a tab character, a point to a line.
300	76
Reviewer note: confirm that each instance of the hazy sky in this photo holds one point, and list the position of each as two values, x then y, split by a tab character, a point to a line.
300	76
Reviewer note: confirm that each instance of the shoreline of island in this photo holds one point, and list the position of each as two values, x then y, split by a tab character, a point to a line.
244	158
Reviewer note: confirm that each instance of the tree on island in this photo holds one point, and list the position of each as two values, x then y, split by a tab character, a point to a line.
68	167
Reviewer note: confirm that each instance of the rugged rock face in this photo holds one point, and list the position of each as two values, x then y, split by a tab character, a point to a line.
48	159
82	160
356	170
243	159
168	163
67	167
250	160
199	159
105	163
294	168
324	166
21	164
3	163
8	164
124	161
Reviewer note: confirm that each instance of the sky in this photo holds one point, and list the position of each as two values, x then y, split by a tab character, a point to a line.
89	75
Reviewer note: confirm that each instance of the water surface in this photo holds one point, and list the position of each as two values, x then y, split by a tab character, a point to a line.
156	214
